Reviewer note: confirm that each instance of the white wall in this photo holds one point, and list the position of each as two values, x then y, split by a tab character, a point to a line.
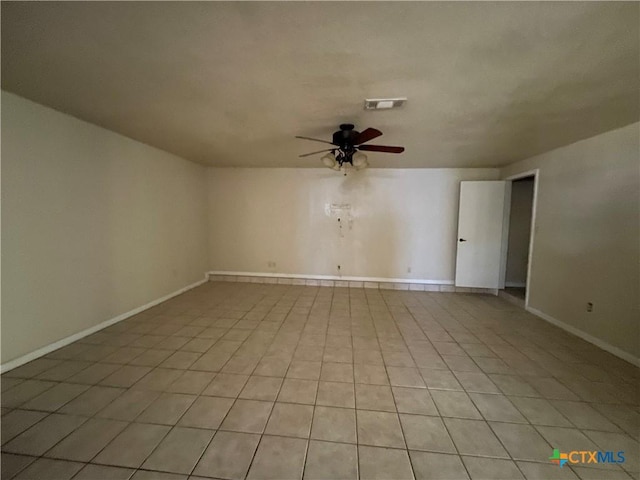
93	225
399	219
519	232
586	240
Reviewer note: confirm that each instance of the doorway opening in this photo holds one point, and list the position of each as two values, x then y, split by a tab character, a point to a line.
520	238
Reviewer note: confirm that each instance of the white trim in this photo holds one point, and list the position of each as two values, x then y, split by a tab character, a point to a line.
516	284
585	336
536	177
10	365
333	277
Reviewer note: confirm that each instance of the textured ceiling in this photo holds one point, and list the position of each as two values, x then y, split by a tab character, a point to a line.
231	83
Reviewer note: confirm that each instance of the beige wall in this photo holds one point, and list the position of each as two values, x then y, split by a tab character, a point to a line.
586	246
93	225
399	220
519	232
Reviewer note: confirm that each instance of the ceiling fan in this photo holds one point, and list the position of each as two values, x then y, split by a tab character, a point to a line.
347	145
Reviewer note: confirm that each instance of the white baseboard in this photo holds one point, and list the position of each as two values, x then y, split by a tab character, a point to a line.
585	336
10	365
407	284
334	277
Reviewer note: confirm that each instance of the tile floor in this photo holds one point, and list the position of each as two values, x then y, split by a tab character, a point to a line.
234	381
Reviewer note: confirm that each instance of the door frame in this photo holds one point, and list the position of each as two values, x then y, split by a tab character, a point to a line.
535	173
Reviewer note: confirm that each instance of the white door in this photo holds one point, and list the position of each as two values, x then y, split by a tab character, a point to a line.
482	234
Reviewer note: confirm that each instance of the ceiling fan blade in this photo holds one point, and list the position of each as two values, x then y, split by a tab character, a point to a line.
319	151
315	139
381	148
366	135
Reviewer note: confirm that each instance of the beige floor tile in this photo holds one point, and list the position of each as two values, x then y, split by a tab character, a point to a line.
54	398
437	466
405	377
370	374
25	392
88	440
92	401
133	445
249	416
228	456
33	368
191	382
51	469
426	433
337	372
290	420
180	360
380	429
150	475
336	394
64	370
497	408
491	469
476	382
455	355
587	473
12	464
278	458
206	412
305	370
272	367
454	404
128	405
17	421
566	439
43	435
226	385
551	388
125	376
298	391
179	451
103	472
523	442
158	379
328	460
582	416
261	388
414	400
440	379
546	471
374	397
384	463
150	358
334	424
166	409
513	385
474	437
94	374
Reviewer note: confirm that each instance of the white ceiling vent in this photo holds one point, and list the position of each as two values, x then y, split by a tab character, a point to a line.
383	103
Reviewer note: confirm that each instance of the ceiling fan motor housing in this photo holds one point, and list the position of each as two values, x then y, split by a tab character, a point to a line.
345	138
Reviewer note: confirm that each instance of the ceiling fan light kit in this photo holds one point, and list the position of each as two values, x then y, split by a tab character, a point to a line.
346	145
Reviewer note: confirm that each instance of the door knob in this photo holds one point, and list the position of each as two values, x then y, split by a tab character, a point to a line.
461	240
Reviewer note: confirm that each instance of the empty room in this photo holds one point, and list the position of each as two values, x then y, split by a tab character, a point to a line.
320	240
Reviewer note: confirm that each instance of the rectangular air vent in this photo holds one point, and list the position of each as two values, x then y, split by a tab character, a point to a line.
383	103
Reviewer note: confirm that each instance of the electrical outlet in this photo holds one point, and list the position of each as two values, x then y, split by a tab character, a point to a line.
338	267
408	269
271	264
589	307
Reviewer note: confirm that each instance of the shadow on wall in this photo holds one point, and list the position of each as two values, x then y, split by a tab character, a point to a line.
370	238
